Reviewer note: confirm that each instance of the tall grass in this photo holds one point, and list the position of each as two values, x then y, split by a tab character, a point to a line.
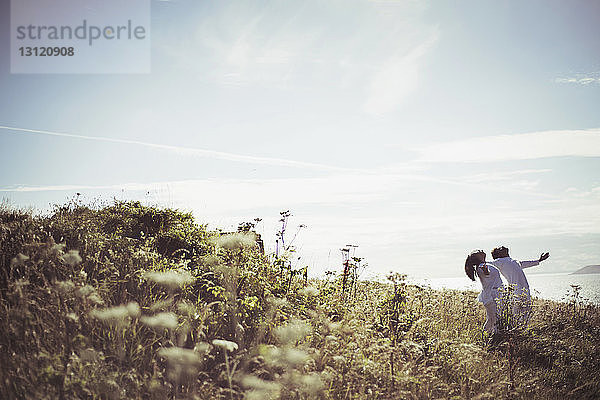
127	301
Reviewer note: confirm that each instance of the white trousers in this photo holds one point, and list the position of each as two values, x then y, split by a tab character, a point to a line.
490	321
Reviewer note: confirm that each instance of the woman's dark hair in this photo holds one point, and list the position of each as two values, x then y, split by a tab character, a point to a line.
471	263
470	267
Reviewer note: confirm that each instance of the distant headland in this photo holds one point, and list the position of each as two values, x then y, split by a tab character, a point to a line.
589	269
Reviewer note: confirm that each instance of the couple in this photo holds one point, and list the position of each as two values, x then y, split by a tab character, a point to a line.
489	276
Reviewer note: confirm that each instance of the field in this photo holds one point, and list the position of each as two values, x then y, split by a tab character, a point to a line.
125	301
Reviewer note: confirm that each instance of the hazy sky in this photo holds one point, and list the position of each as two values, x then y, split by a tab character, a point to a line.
416	130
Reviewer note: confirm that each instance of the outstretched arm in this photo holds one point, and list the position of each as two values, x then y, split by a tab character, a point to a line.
527	264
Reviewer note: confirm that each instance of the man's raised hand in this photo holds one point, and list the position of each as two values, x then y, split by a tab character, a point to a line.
544	256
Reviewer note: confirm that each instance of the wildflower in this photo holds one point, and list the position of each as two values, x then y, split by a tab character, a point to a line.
210	261
163	320
331	340
72	258
328	373
310	291
251	381
340	360
225	344
57	249
160	305
260	389
186	308
235	241
284	356
133	309
118	316
18	260
179	356
333	326
171	280
295	356
277	301
73	317
65	287
311	383
85	291
89	355
89	292
201	347
293	331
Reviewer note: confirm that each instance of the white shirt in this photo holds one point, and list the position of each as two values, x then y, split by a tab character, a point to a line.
512	270
489	283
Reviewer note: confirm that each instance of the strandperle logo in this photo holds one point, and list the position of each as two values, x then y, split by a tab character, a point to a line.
80	36
85	31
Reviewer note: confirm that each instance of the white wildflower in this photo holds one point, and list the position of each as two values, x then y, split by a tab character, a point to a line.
202	347
163	320
18	260
311	383
160	305
171	280
118	316
210	261
85	291
331	340
225	344
293	331
65	287
260	389
234	241
133	309
334	326
186	308
57	249
89	355
295	356
73	317
181	362
277	301
310	291
339	360
282	356
328	373
178	355
72	258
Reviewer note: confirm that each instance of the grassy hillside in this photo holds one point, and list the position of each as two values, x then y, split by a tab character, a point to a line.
128	301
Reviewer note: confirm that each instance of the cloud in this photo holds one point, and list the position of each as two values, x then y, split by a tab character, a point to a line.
581	79
396	79
501	176
219	155
57	188
565	143
312	44
397	223
237	194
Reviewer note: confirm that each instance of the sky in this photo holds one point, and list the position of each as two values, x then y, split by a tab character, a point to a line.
416	130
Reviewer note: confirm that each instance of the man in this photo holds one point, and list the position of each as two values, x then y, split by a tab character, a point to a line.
512	270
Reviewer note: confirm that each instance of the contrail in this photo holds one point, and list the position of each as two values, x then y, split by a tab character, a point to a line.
220	155
254	160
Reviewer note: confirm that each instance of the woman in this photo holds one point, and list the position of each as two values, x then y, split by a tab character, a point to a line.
490	283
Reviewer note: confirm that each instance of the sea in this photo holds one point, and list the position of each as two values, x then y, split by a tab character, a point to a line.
551	286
